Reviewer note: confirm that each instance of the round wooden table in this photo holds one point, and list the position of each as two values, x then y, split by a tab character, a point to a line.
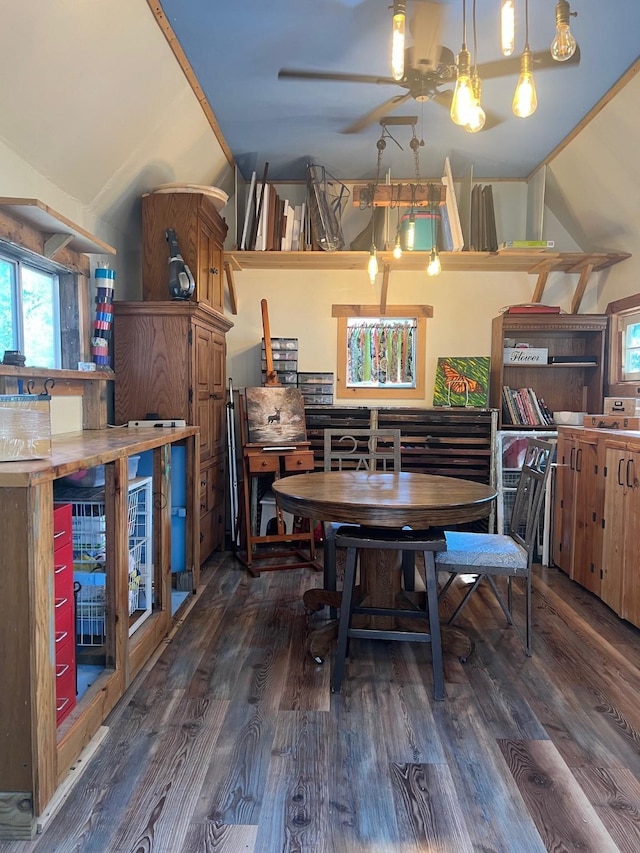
382	499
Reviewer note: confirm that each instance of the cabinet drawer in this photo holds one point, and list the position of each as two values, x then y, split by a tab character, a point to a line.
63	571
301	461
63	617
264	464
65	656
62	526
65	693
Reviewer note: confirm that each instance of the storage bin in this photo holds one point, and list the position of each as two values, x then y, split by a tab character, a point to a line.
25	427
88	478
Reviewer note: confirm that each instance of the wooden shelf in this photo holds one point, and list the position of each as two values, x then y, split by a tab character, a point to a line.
529	262
61	230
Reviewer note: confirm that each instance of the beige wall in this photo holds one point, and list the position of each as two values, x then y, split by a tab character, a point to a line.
299	306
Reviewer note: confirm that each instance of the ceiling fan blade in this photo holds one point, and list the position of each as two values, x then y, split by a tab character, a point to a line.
376	114
542	60
337	76
444	98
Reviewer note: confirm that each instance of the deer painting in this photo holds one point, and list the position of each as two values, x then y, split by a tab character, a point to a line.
274	419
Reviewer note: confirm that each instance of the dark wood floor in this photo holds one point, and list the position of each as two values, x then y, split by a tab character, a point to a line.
233	741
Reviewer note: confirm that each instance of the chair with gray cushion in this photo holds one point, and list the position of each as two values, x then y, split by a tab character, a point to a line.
490	556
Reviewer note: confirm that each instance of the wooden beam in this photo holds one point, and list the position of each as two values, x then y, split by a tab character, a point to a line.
374	311
232	287
540	285
385	288
55	244
580	288
399	195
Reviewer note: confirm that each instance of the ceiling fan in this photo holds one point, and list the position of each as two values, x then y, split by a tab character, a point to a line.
430	69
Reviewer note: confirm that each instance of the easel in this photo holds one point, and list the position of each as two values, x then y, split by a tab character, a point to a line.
258	460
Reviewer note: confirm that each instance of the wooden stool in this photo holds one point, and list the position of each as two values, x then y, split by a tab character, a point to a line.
427	541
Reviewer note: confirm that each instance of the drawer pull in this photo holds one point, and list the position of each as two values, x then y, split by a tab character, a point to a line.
60	602
59	534
65	701
61	635
61	669
58	569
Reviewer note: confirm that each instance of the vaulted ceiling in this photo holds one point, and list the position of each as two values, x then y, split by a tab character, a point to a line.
237	49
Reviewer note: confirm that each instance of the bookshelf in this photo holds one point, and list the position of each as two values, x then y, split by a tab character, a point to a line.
574	387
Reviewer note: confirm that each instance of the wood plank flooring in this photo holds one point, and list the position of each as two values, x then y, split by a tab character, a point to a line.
232	740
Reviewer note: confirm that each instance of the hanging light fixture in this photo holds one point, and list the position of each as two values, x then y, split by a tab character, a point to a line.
397	249
564	45
507	27
434	266
462	101
525	100
372	264
477	116
397	39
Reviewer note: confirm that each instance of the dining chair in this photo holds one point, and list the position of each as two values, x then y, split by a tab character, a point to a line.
355	450
490	556
408	541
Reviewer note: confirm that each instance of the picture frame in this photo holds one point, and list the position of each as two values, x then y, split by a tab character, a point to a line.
462	381
275	416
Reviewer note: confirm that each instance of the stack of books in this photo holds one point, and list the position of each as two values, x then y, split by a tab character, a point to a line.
523	407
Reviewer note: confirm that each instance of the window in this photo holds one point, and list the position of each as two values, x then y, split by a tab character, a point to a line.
29	312
381	353
630	340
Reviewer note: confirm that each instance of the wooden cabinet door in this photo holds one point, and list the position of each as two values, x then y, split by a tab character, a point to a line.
631	552
587	517
614	527
564	509
209	278
203	368
218	394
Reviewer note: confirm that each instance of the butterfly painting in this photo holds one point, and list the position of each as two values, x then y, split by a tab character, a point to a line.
462	382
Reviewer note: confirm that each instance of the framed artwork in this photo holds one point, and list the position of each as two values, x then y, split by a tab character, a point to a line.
462	382
275	416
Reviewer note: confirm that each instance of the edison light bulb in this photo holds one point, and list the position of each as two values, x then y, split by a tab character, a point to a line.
372	266
525	100
564	45
434	267
507	27
397	39
462	101
477	116
410	236
397	249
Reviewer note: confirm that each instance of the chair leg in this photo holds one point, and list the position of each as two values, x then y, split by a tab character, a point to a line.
345	620
450	580
465	600
431	586
330	570
527	628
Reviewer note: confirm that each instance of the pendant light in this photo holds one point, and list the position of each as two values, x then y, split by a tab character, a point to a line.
525	100
477	116
462	101
397	39
434	266
564	45
507	27
372	265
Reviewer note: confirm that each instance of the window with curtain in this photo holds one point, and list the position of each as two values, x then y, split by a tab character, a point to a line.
381	352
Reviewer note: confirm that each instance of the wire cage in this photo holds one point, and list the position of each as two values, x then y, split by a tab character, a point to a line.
90	557
327	197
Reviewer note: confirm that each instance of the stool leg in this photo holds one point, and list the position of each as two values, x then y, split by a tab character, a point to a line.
431	585
408	570
345	620
330	574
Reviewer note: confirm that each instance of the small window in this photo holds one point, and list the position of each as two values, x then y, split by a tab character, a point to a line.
381	355
29	312
630	340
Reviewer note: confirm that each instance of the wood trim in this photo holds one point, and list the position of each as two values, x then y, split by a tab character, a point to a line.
233	298
627	303
622	81
585	275
158	13
47	221
374	311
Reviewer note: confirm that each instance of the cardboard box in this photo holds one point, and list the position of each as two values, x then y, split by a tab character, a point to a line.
522	356
25	427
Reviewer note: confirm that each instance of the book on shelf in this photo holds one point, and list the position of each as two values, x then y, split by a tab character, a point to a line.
523	407
575	360
526	245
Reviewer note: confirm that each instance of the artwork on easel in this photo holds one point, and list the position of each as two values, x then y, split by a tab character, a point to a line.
275	416
462	382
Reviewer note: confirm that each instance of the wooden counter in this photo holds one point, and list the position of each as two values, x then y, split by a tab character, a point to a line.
35	755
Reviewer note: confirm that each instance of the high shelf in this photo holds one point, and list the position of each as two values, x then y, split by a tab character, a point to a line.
576	387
